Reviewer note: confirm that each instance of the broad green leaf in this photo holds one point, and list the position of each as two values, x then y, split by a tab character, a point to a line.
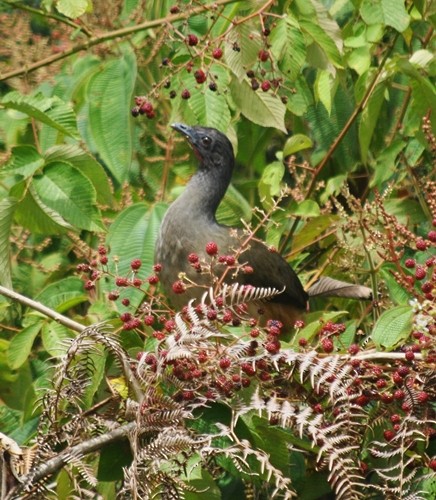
307	208
110	93
323	41
73	8
34	214
63	295
369	119
312	230
247	39
393	327
7	208
21	344
233	208
49	110
270	182
386	163
390	12
333	187
360	59
323	89
70	194
262	108
54	336
24	162
288	46
197	486
296	143
396	292
88	165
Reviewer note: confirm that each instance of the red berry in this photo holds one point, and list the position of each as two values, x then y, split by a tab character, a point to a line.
254	84
178	287
113	295
188	395
420	273
137	282
399	394
302	342
174	9
362	400
157	268
254	333
217	53
265	86
427	287
211	248
410	263
432	464
410	356
421	244
230	260
432	236
225	363
153	280
193	258
192	40
211	314
146	108
263	55
185	94
403	371
327	345
389	435
422	397
125	317
121	281
200	76
148	320
125	302
381	383
227	317
395	418
102	250
89	285
353	349
272	347
248	369
103	260
248	270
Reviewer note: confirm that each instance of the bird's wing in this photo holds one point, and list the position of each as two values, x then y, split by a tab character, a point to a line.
329	287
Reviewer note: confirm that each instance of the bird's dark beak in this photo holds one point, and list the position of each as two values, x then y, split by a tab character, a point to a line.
186	130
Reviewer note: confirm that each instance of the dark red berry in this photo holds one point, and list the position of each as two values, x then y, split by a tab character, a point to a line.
225	363
362	400
211	248
389	435
265	85
193	258
217	53
266	32
89	285
174	9
137	282
422	397
263	55
120	281
153	280
302	342
113	295
125	302
353	349
254	84
427	287
200	76
125	317
146	108
157	268
103	260
432	464
135	112
212	86
178	287
410	356
399	394
192	40
250	73
421	244
395	418
410	263
185	94
420	273
432	236
173	94
135	264
230	260
381	383
327	345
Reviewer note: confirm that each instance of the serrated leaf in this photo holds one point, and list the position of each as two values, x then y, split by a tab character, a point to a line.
53	336
247	39
21	344
72	8
288	46
393	327
63	295
261	108
7	208
296	143
24	162
110	93
89	166
270	182
389	12
49	110
70	194
323	89
323	41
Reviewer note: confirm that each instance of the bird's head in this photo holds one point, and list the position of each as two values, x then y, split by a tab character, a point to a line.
212	147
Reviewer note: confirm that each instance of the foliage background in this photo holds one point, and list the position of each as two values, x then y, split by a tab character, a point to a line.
342	133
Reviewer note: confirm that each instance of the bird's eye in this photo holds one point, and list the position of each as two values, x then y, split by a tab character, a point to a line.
206	140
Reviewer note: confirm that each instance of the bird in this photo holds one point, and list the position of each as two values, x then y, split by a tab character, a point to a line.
190	225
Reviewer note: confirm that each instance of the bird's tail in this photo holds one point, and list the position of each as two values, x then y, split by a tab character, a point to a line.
329	287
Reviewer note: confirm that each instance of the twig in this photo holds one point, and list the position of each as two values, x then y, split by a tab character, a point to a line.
122	32
37	306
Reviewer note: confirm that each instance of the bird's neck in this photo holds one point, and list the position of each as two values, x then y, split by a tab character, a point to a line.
204	192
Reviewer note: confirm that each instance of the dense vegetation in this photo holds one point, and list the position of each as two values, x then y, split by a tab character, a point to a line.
104	388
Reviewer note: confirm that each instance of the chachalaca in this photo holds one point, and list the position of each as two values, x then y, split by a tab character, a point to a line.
190	224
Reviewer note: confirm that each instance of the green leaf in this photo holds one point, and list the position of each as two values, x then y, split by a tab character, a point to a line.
63	295
7	209
307	208
369	119
53	337
389	12
70	194
323	90
312	230
89	166
396	292
296	143
21	344
270	182
73	8
393	327
233	208
321	39
49	110
262	108
247	39
24	162
288	46
386	163
110	93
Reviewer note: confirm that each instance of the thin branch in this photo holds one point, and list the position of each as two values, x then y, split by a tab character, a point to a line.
37	306
54	464
120	33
